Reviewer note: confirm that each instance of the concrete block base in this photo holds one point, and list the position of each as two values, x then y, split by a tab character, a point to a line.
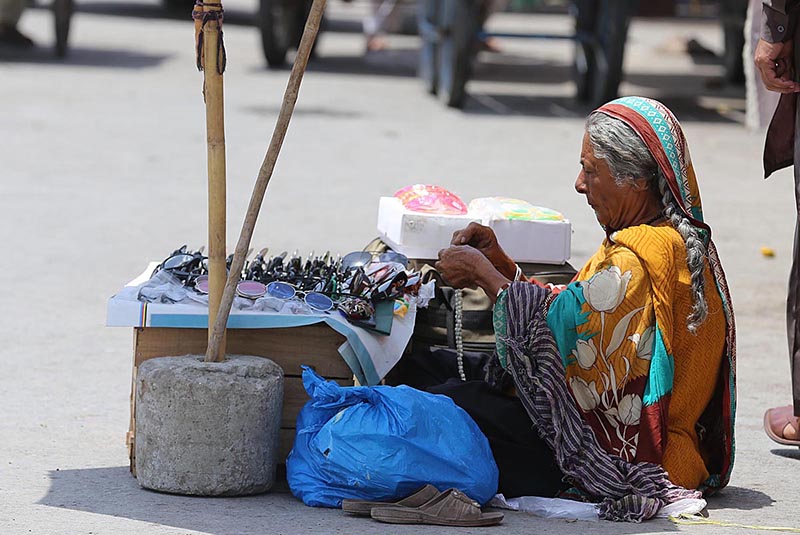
208	429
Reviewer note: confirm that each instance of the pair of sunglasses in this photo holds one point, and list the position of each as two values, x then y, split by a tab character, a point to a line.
356	308
248	289
315	300
280	290
358	259
184	264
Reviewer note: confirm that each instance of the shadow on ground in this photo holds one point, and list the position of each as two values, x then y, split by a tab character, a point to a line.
83	57
114	492
308	111
393	62
707	100
687	109
739	498
789	453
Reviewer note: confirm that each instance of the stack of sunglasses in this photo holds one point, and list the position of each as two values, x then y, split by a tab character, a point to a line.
353	284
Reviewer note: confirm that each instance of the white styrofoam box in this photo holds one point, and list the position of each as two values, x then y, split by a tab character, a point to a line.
544	242
526	232
420	235
416	234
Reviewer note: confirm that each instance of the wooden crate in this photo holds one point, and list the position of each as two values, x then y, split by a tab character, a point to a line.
312	345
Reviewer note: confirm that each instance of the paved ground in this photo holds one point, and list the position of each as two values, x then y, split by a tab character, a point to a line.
103	169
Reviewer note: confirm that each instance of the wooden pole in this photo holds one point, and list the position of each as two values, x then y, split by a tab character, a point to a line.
215	132
216	351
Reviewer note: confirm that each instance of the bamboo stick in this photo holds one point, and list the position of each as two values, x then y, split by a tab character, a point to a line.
215	134
215	350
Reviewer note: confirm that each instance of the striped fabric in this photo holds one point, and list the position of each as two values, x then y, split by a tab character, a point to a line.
627	492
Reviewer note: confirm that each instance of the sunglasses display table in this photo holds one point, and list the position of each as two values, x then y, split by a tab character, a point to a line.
329	344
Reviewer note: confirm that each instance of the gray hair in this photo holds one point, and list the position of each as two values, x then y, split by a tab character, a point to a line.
629	160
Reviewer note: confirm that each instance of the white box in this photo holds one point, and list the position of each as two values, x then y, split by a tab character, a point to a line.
419	235
535	242
416	234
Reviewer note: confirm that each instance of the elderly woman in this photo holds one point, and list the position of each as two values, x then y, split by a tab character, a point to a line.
634	360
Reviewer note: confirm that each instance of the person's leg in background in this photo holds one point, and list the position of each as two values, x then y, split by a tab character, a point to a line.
782	423
10	13
488	8
377	22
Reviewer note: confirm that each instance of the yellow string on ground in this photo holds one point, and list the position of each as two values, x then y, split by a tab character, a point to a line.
688	520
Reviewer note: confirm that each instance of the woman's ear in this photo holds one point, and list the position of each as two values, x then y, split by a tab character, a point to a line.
640	184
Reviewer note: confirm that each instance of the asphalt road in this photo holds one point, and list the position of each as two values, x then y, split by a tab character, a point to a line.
102	160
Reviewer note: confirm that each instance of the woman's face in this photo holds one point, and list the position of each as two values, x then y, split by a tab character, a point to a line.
615	206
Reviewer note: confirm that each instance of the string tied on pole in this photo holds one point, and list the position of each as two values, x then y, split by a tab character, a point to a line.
201	17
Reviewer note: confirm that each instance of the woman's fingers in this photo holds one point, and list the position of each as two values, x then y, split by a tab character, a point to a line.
460	237
476	235
466	236
457	265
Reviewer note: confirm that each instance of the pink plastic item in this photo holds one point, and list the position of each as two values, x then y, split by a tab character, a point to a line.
431	200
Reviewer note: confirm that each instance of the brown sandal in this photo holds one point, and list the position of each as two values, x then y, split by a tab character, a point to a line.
363	507
450	508
775	422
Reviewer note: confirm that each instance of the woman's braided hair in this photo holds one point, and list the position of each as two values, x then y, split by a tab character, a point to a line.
629	160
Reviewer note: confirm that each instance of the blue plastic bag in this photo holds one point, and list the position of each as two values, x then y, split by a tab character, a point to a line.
384	443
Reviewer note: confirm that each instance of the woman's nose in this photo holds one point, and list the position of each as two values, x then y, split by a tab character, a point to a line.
580	184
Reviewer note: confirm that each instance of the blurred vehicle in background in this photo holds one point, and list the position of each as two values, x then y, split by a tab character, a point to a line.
281	23
453	32
11	37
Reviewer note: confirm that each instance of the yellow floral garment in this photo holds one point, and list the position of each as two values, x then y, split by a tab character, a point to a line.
640	378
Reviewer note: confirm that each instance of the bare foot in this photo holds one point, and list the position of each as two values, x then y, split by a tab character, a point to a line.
792	430
782	425
491	44
376	43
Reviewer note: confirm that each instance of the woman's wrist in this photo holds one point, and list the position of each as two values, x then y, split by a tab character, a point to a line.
508	268
493	283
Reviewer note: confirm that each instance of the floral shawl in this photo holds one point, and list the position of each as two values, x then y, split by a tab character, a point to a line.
663	135
626	491
615	326
640	378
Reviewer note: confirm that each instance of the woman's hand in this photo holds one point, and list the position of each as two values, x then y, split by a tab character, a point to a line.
484	240
463	266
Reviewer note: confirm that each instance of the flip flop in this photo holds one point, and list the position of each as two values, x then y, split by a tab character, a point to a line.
450	508
775	422
363	507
